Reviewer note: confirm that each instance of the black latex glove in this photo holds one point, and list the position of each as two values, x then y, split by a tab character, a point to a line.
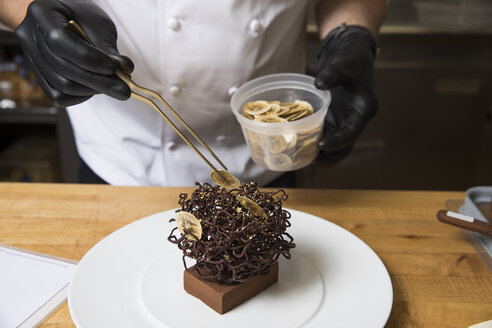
68	68
347	70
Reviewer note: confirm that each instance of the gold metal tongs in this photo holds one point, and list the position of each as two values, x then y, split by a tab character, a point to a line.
143	94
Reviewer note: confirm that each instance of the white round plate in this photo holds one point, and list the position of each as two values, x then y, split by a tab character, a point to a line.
134	278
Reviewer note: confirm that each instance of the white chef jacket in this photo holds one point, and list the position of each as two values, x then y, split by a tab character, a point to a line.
194	53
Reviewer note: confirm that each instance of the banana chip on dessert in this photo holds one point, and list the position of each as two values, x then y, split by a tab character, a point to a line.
189	225
224	179
251	206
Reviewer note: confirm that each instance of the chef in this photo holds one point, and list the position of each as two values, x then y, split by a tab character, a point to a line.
195	54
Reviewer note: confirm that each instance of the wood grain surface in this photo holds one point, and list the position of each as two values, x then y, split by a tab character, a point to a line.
438	279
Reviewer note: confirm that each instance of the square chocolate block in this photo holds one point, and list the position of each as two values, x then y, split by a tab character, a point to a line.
223	298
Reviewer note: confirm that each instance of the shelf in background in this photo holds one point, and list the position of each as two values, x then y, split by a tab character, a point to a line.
30	115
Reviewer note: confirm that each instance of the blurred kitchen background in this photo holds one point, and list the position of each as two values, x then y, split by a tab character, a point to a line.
433	129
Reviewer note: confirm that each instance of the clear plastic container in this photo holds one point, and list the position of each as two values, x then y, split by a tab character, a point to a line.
283	146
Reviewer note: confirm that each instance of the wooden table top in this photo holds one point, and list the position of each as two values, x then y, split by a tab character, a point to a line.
438	278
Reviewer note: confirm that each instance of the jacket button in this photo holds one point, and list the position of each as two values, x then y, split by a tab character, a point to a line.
174	90
231	91
221	140
255	26
173	24
171	145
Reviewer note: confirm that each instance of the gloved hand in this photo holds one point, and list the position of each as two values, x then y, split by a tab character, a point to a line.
347	69
69	69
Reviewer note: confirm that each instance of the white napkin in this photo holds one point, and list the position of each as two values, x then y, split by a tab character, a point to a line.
32	286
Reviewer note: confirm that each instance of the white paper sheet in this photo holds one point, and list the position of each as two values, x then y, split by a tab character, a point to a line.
31	286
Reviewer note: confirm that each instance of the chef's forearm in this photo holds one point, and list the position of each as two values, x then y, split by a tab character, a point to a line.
12	12
367	13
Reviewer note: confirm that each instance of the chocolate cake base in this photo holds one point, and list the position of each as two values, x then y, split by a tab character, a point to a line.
223	298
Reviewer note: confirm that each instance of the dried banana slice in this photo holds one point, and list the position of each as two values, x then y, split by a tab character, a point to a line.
251	206
270	119
224	179
308	150
274	144
256	107
283	110
290	139
274	110
256	150
305	137
253	136
304	142
306	154
296	109
250	117
278	162
278	143
189	225
296	116
310	132
305	105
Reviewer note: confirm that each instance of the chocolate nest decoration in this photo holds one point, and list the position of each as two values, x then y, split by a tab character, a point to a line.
236	244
